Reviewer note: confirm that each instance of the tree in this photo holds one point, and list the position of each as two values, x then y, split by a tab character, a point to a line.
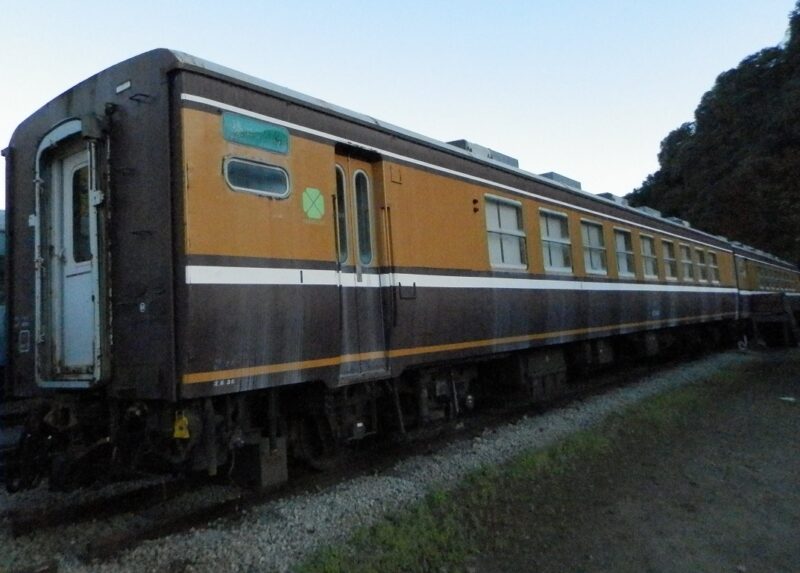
735	170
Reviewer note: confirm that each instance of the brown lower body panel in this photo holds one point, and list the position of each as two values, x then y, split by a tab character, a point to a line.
245	337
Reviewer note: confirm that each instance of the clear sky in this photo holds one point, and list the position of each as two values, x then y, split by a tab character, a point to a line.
585	88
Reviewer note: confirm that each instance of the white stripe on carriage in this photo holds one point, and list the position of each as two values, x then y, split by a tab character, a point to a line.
221	275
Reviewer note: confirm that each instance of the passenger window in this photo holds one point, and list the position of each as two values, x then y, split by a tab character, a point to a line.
625	258
687	266
594	248
341	214
670	264
649	259
713	267
556	247
257	178
505	232
702	271
742	271
363	218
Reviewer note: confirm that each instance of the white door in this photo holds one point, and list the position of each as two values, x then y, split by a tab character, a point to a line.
72	288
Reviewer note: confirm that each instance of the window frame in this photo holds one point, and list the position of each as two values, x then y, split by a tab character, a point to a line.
546	241
669	262
257	192
713	269
701	268
690	277
631	272
590	249
652	257
519	233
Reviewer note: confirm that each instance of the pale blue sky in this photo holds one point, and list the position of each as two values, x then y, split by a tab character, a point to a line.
585	88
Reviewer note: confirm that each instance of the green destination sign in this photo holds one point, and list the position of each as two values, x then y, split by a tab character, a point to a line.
255	133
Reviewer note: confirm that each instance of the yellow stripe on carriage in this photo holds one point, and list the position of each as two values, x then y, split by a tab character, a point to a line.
199	377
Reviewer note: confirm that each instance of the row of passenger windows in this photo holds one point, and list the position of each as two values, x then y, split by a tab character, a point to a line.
777	280
507	247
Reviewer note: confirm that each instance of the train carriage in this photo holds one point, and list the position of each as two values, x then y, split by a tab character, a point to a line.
218	262
769	295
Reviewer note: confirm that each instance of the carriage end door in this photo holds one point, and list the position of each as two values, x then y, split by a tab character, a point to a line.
69	291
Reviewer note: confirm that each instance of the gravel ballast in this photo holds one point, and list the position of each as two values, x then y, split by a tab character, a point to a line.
276	535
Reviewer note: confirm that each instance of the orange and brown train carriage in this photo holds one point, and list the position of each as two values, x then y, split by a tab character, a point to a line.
205	264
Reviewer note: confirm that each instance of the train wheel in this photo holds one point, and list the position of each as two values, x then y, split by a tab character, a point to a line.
312	442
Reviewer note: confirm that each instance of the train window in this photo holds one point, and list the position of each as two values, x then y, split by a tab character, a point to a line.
257	178
624	248
363	218
687	266
341	214
702	271
594	248
741	269
81	245
670	264
713	267
649	259
556	246
505	233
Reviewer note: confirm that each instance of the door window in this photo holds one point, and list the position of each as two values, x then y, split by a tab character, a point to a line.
341	214
81	245
363	218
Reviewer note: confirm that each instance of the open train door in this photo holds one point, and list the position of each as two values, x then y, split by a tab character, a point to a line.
363	335
69	348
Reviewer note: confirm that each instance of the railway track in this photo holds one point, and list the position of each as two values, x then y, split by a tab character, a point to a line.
36	520
111	545
148	502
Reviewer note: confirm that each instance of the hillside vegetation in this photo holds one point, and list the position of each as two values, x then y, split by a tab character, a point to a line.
735	170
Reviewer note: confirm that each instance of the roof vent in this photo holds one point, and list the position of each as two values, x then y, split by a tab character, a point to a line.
649	211
485	153
615	198
678	221
558	178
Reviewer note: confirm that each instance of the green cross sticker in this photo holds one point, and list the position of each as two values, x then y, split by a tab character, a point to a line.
313	204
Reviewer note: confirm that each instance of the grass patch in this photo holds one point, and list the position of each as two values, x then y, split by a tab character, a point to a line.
426	537
443	532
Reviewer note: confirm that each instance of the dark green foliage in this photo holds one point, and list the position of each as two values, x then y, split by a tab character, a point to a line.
735	170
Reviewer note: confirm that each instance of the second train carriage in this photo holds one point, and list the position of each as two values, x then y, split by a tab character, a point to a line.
220	262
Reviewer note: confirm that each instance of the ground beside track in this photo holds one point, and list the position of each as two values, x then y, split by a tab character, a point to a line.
280	534
702	478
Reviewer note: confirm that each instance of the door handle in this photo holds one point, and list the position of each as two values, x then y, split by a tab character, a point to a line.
407	293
